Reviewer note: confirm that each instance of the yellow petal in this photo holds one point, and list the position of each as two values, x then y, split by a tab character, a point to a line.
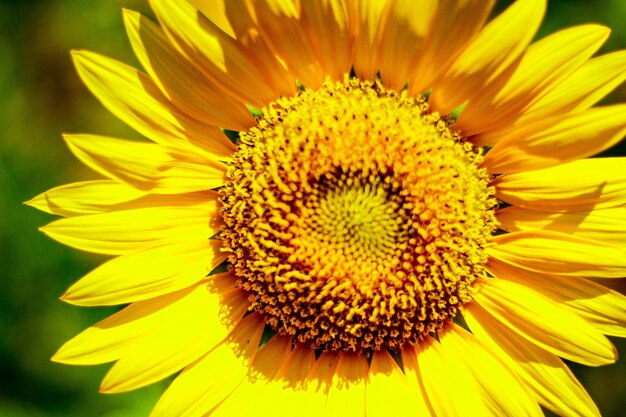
544	64
372	19
542	322
185	86
215	11
451	389
330	29
500	388
581	185
136	100
600	306
346	395
251	396
86	197
557	140
279	22
121	232
205	383
486	60
454	25
292	385
319	380
242	20
388	391
585	87
404	39
559	253
146	274
543	373
413	378
227	62
171	347
109	339
604	225
146	166
102	196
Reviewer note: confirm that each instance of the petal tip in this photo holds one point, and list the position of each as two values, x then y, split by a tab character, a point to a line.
131	18
48	230
71	298
113	383
78	54
66	297
61	357
615	352
107	388
71	138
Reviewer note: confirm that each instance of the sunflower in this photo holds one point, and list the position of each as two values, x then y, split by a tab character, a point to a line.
351	208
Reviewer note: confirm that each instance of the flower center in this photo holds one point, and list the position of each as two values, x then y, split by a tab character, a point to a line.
355	219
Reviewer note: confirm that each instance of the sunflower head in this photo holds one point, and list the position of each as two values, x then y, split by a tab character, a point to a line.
413	166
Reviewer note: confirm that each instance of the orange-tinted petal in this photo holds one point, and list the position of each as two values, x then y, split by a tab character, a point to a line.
227	62
453	27
185	86
372	19
404	39
331	31
137	101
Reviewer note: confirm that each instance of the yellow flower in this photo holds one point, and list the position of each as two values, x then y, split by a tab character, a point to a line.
351	208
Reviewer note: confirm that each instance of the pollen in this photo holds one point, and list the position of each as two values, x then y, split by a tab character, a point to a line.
355	218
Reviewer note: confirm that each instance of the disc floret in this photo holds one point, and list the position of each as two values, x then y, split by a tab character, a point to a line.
356	219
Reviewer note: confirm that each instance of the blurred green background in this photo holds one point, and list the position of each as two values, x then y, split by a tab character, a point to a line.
42	97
